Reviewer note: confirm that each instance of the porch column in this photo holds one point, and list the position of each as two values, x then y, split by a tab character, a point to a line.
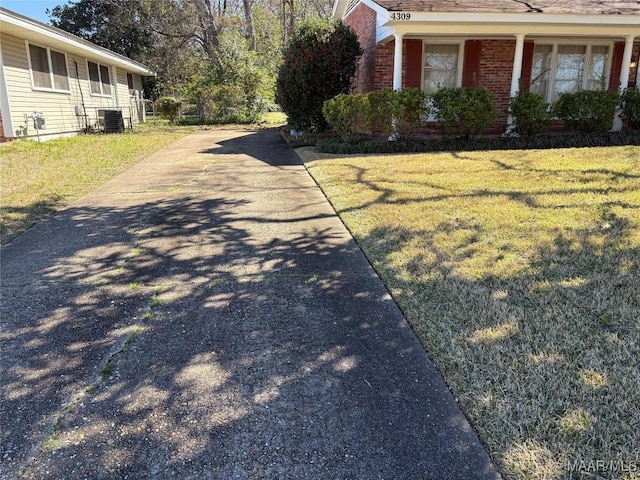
624	77
516	73
517	64
397	61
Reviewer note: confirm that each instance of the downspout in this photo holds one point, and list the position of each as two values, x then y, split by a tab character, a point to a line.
84	108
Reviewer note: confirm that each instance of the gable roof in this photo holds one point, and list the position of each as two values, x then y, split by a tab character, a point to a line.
12	23
580	7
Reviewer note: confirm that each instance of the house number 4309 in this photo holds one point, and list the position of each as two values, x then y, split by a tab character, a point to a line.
400	16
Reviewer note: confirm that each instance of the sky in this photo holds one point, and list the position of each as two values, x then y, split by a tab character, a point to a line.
35	9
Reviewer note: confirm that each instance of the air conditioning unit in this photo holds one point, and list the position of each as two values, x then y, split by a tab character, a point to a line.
113	121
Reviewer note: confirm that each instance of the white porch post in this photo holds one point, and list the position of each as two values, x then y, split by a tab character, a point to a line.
624	77
397	61
516	73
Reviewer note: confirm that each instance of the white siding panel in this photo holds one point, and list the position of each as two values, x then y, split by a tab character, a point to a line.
57	108
63	112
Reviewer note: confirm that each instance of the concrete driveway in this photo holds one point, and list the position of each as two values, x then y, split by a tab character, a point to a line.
206	315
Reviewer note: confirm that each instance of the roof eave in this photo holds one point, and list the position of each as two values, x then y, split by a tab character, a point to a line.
14	23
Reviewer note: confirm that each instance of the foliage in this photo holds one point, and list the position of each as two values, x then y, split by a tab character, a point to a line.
319	63
382	111
107	23
587	110
230	87
530	113
348	115
464	111
410	108
397	113
175	38
453	144
168	107
631	107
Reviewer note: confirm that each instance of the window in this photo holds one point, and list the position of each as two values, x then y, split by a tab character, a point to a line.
99	79
48	69
559	69
130	84
440	67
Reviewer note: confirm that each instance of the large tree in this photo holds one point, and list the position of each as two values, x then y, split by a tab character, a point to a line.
113	24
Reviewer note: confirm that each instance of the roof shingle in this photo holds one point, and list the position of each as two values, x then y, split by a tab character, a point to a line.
588	7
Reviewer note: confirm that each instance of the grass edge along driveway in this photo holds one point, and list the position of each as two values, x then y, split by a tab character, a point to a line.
520	273
39	178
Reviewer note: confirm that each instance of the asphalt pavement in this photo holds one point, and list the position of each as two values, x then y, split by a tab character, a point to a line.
206	315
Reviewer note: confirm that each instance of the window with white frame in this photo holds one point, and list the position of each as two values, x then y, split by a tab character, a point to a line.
131	85
48	69
99	79
440	64
559	69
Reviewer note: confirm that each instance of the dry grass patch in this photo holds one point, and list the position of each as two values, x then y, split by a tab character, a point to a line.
520	273
39	178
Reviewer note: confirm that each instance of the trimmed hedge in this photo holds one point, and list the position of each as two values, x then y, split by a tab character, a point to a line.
530	114
631	107
587	110
464	111
449	144
348	116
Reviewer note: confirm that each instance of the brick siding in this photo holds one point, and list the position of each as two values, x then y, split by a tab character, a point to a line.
375	70
363	22
496	65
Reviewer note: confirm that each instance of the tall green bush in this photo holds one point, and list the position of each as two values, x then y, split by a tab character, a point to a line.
410	110
398	113
530	114
631	107
587	110
348	115
319	63
464	111
382	109
168	107
230	87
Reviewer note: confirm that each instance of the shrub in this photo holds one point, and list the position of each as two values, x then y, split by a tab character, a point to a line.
448	144
168	107
348	115
410	110
530	114
382	110
397	113
319	63
228	88
587	110
631	107
464	111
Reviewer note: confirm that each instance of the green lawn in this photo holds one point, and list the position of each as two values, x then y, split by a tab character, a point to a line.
39	178
520	273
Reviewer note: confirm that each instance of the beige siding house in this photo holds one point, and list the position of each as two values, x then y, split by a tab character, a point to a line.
53	83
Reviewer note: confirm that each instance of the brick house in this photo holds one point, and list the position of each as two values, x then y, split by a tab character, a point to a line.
544	46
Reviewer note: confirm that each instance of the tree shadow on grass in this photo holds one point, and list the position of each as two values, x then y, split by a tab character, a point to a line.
543	361
229	355
16	220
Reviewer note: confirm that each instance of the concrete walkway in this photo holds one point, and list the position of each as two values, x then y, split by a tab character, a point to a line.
205	315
